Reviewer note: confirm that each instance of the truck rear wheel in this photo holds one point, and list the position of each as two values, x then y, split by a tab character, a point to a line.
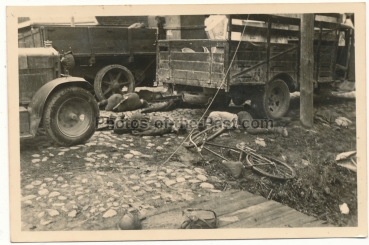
111	80
275	101
70	116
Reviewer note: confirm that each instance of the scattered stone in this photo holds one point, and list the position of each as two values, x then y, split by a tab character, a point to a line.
92	210
74	147
28	202
52	212
206	186
62	198
170	182
72	214
200	171
48	179
36	183
128	156
51	155
110	213
158	185
35	155
136	153
180	179
150	145
44	159
45	222
88	159
84	181
202	177
134	176
29	187
115	204
43	192
58	204
102	156
194	181
61	153
29	197
135	188
189	171
60	179
110	184
54	194
64	186
159	148
40	215
77	193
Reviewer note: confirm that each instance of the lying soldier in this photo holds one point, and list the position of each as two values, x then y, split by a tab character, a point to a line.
145	125
122	103
241	120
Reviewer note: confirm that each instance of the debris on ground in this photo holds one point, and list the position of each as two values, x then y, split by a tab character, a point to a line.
234	167
260	141
343	121
344	209
347	160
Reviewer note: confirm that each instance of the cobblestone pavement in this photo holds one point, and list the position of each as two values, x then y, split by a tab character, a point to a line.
87	186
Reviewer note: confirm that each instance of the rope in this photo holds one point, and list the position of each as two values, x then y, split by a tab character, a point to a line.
211	102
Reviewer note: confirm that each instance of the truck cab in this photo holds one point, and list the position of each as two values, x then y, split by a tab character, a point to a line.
62	104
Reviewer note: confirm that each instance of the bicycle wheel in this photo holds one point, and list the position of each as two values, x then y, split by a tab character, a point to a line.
198	138
270	167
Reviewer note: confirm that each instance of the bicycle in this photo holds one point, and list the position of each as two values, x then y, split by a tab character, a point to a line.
267	166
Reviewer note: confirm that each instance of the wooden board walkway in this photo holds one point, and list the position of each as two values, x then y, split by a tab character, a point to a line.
235	209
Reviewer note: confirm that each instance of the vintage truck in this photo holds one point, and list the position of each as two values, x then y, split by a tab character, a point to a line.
62	104
112	58
253	57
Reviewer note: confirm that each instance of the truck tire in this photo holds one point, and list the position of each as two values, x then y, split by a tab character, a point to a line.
70	116
111	80
274	101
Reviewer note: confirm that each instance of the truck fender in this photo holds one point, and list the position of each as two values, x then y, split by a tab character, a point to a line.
36	106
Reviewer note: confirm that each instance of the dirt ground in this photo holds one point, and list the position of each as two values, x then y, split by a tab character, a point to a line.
89	186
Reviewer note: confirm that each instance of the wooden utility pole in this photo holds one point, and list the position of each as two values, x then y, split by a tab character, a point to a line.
306	70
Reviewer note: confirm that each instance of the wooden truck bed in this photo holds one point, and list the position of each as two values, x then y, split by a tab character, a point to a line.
268	47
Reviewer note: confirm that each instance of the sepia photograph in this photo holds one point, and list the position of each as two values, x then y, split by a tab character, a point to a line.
233	121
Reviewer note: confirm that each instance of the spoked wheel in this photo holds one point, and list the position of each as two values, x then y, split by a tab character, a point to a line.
113	79
198	138
275	101
270	167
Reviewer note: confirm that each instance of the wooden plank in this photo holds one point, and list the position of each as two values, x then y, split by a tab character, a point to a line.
218	57
289	67
164	55
190	56
190	65
211	197
250	215
163	73
164	64
217	67
216	77
250	55
247	46
190	43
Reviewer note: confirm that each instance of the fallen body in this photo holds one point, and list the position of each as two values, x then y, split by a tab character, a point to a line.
145	125
241	120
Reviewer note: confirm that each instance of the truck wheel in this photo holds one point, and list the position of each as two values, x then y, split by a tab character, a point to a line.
275	101
70	116
111	80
